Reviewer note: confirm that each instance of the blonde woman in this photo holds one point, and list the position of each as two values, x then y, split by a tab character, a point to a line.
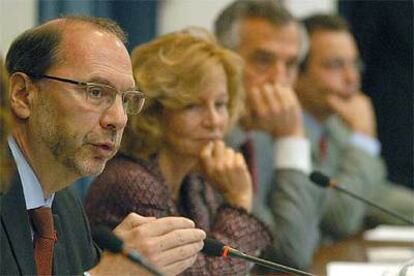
175	162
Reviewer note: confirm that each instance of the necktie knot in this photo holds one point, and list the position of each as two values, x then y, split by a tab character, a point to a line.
323	147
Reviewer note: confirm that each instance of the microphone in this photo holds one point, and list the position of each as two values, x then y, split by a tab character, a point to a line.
323	181
216	248
105	239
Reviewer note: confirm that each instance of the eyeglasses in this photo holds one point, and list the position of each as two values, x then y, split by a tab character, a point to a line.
103	95
341	64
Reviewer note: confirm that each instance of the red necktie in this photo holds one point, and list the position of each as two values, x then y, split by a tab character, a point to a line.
44	239
247	149
323	148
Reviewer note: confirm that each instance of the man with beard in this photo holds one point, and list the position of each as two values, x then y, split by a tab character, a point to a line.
66	78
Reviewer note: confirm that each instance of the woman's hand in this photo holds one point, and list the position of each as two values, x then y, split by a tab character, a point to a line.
228	173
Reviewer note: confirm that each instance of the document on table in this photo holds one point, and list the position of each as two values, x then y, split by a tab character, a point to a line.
390	254
362	269
390	233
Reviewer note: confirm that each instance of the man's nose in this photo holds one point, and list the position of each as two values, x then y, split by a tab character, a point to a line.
278	73
351	75
115	116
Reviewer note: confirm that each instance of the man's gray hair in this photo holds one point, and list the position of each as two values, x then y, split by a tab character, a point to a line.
227	24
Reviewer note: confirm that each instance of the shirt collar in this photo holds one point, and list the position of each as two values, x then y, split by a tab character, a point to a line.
32	190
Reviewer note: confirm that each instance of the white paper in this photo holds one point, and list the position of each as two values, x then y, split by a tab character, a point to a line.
390	254
362	269
390	233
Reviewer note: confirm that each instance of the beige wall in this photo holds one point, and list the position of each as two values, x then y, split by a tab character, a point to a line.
15	17
177	14
19	15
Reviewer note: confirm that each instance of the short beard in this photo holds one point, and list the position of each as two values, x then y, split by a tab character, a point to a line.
62	144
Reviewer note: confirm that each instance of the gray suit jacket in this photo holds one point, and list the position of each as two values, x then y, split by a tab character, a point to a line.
302	215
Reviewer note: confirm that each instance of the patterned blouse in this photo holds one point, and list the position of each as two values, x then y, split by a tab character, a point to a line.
130	185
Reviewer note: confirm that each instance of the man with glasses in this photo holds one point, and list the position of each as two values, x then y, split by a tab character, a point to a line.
71	88
103	96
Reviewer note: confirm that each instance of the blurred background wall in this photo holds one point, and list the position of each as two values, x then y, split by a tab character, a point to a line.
144	18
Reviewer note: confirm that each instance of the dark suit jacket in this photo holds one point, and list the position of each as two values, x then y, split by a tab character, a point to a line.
74	251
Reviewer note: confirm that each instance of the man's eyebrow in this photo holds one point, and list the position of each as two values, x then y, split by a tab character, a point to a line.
100	80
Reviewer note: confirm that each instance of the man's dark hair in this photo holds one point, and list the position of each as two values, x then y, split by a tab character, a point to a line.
36	50
228	21
323	22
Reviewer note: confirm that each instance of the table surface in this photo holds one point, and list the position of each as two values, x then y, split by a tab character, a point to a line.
353	249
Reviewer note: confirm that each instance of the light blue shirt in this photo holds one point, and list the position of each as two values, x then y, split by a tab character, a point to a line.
364	142
32	190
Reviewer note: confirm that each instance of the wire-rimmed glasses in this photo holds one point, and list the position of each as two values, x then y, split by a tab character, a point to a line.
103	95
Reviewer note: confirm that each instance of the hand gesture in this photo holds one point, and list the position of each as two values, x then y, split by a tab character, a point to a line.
275	109
227	171
171	243
357	112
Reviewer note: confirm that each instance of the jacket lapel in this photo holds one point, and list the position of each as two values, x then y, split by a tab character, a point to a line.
16	223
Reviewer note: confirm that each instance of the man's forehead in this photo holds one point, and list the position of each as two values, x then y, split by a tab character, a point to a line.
259	33
335	42
262	27
88	53
88	42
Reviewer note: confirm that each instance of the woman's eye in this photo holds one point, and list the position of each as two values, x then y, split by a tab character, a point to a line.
221	104
191	106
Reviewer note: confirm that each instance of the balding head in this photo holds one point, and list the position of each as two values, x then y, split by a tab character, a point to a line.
37	49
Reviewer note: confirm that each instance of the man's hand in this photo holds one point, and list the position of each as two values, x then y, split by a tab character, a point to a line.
228	172
357	112
274	109
171	243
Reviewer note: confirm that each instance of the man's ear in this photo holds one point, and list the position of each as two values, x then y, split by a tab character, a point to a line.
21	94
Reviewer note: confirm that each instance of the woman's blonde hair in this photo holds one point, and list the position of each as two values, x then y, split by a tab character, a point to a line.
170	70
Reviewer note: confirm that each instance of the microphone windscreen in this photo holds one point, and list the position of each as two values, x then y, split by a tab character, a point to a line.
319	179
106	240
213	247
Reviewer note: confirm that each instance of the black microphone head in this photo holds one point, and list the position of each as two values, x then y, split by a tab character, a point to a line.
106	240
213	247
320	179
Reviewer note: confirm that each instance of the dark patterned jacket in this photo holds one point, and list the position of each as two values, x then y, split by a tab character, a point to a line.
129	185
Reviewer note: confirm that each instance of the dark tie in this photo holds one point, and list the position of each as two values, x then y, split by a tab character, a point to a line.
323	148
44	239
248	151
